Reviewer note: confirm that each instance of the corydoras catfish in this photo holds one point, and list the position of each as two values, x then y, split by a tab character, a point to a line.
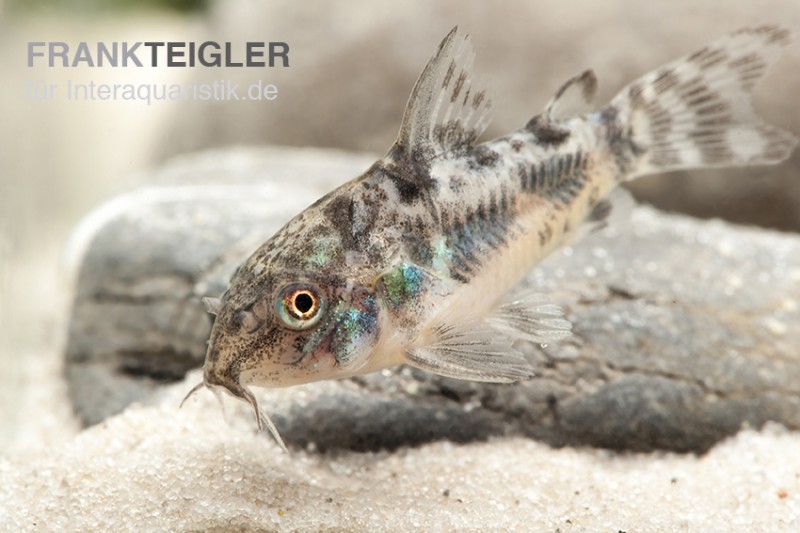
416	261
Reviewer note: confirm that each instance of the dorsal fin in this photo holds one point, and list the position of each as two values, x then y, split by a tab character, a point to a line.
448	108
574	97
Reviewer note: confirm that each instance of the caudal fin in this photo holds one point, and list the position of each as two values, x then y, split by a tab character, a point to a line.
697	111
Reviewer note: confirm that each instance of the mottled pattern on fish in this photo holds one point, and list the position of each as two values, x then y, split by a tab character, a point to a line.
415	261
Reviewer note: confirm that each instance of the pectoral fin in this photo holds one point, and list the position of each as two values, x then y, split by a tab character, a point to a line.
530	316
483	350
212	305
474	353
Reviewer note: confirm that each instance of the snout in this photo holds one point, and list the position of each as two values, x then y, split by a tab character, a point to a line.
219	373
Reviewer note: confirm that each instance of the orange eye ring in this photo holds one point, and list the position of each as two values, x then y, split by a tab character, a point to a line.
302	304
299	305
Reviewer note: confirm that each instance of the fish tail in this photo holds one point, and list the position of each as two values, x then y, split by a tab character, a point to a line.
698	111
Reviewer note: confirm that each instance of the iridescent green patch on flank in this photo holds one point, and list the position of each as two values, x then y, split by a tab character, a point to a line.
402	284
357	326
348	329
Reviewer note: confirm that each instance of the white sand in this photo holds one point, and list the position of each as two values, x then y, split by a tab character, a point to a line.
159	468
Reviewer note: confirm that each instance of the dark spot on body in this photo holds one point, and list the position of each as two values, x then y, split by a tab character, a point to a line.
568	164
526	182
445	221
609	116
559	177
410	173
459	277
546	132
340	214
470	238
460	264
517	145
420	251
457	183
421	227
620	140
391	218
299	343
506	199
580	162
545	177
548	232
493	210
481	213
483	156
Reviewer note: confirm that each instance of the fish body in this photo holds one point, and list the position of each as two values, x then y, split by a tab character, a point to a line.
416	261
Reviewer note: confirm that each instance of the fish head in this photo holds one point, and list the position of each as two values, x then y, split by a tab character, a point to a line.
289	329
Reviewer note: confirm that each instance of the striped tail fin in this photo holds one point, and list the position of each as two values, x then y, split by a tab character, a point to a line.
697	111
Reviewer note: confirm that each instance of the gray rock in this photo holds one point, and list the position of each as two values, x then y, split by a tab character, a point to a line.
684	331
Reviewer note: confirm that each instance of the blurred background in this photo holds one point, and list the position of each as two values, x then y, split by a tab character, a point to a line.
352	66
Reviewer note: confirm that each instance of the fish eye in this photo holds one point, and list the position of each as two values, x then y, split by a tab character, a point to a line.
299	305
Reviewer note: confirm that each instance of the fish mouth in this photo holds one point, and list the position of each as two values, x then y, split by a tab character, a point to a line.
262	419
212	382
229	383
